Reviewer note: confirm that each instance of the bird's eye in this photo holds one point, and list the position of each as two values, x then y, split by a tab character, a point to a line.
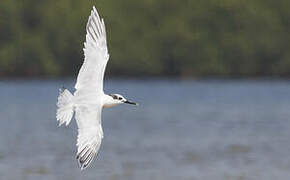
114	97
119	98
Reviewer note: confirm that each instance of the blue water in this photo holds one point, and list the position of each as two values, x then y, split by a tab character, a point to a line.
182	130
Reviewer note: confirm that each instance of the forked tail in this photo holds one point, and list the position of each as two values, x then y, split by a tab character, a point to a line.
65	107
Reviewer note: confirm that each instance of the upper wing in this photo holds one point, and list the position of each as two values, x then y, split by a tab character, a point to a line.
91	74
90	133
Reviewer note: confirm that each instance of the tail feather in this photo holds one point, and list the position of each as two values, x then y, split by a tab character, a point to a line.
64	107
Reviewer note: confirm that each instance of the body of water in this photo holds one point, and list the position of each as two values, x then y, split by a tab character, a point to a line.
182	130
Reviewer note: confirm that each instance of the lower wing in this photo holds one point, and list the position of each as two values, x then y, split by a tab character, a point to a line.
90	133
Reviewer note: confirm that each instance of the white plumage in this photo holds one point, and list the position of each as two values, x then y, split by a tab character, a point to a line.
89	98
96	55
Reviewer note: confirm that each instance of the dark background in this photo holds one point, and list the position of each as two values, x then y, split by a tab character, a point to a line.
188	38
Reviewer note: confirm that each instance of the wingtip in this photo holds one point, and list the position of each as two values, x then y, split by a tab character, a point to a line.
95	10
85	157
83	167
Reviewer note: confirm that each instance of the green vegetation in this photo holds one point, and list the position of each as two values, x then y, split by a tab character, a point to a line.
148	37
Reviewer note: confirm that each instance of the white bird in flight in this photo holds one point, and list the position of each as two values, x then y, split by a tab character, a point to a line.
89	98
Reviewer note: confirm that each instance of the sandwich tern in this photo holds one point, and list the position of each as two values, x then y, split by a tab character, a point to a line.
89	99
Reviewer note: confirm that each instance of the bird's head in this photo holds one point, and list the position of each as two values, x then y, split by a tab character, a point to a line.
119	99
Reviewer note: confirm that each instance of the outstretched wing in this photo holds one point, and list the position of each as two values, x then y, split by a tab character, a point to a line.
91	74
90	133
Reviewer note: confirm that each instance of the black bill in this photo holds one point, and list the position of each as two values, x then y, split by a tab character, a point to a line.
129	102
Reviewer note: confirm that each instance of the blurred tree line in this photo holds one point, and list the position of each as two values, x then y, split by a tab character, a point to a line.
148	37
